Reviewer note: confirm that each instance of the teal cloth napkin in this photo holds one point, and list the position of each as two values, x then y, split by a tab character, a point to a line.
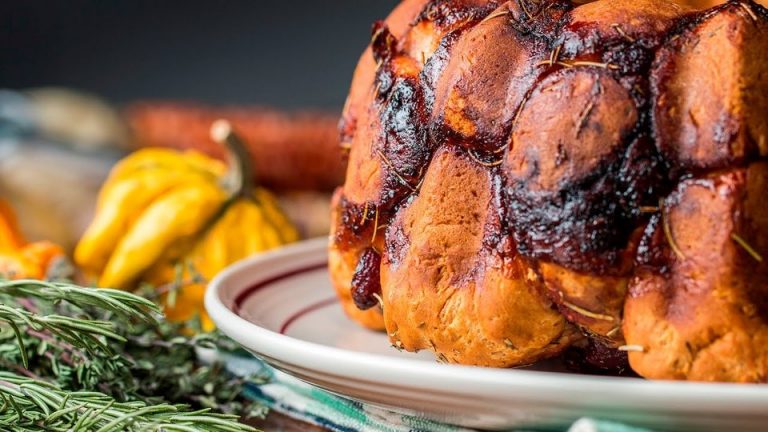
296	399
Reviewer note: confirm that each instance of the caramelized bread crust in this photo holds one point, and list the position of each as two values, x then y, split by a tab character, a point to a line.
448	292
699	309
507	161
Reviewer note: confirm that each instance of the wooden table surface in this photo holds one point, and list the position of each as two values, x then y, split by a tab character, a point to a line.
276	422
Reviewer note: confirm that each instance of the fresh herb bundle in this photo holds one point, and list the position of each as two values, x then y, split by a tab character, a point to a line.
88	359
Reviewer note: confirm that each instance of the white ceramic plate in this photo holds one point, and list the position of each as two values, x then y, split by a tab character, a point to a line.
281	307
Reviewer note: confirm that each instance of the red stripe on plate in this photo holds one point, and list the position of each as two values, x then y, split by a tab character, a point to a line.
243	296
307	310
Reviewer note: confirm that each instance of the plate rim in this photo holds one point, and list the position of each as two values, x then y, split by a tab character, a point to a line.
542	385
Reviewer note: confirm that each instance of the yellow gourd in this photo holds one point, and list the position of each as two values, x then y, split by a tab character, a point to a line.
175	219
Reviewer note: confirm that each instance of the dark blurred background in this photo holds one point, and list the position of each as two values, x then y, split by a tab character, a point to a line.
287	54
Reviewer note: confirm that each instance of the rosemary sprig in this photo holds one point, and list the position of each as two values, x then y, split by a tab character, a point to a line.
34	405
106	358
91	336
115	301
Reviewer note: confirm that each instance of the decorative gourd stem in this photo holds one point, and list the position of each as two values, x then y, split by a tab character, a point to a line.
239	179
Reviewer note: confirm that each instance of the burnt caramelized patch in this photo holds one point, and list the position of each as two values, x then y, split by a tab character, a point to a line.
604	28
597	359
403	146
562	165
355	224
454	13
383	43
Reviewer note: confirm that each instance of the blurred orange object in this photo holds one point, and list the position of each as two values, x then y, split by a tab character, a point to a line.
298	151
10	238
19	259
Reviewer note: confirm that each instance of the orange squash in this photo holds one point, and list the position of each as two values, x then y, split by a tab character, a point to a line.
10	238
19	259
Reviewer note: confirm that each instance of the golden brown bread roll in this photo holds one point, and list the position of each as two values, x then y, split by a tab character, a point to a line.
449	293
507	160
696	308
